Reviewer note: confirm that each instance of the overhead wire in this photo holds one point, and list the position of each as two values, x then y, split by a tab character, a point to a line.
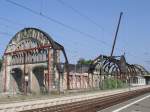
88	18
57	22
9	34
10	27
11	22
77	46
81	14
54	20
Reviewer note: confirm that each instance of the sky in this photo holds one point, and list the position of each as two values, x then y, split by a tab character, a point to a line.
96	18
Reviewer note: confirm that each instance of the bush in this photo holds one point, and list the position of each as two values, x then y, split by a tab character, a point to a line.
112	84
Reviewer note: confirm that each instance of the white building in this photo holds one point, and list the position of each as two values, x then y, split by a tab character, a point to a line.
137	81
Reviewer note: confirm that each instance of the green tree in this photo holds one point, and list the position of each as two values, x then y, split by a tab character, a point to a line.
84	62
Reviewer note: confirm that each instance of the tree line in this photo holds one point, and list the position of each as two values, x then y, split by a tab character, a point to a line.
83	61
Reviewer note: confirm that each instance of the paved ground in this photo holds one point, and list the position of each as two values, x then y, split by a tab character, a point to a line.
139	104
10	98
27	104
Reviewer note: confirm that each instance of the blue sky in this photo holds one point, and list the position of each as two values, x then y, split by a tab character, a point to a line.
133	37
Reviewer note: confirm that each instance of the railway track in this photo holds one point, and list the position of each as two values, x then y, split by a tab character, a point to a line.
93	105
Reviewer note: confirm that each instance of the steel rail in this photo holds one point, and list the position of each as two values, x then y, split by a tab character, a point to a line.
93	105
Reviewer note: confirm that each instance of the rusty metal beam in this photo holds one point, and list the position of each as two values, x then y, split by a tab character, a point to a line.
26	50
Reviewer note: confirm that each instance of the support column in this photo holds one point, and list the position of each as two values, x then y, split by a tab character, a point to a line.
67	76
88	80
49	70
92	81
24	75
5	76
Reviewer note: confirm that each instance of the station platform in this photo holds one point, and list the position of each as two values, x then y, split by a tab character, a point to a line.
28	104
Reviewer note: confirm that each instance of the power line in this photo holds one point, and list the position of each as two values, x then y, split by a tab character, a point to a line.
74	45
49	18
81	14
11	22
56	21
134	55
7	26
68	50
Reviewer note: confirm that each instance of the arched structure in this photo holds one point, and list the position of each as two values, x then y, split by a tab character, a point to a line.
115	67
141	69
136	70
36	56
